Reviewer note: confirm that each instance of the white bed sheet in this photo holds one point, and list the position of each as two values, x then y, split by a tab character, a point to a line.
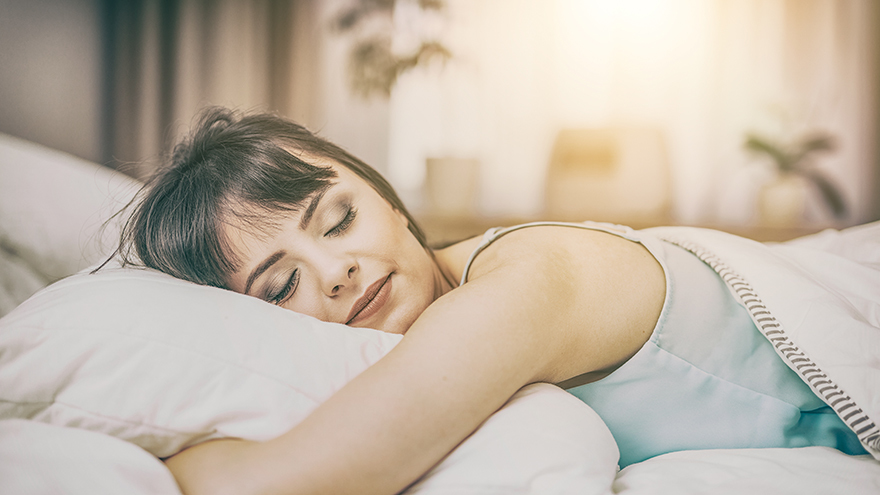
42	459
810	470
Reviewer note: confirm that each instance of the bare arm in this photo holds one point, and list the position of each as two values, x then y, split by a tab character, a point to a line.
468	354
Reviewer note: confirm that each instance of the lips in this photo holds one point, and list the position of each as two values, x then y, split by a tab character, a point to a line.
371	302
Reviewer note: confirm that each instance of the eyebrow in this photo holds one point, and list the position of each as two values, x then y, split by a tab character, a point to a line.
265	265
303	223
310	210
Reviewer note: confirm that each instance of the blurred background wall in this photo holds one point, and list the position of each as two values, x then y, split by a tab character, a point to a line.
51	73
633	111
116	81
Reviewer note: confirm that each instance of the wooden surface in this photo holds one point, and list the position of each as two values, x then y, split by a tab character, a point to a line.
444	230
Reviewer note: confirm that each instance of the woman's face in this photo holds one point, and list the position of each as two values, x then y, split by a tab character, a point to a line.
347	257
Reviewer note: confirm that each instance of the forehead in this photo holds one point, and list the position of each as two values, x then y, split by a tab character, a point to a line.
246	225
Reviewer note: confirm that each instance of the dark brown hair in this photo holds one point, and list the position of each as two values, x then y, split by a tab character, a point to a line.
232	165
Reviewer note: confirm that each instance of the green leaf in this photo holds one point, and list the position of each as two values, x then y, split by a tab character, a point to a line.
833	197
760	145
813	144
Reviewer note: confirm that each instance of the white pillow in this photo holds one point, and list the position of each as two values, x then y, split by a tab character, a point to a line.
18	281
164	364
53	207
544	441
41	459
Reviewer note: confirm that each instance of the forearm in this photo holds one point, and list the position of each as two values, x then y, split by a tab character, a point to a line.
374	436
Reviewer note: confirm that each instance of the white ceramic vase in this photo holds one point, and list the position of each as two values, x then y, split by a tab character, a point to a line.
451	186
781	203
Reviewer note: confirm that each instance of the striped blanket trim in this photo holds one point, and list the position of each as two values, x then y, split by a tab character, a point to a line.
851	414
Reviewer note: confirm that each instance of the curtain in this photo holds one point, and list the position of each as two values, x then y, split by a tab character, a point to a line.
166	59
704	72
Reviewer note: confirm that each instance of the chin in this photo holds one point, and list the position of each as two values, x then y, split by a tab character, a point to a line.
398	325
402	318
395	327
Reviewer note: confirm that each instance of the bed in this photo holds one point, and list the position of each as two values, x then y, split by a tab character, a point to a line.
102	375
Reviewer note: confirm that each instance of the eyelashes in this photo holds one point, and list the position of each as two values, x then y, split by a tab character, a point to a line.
344	224
288	289
292	282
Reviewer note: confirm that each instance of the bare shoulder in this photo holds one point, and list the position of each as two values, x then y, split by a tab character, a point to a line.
573	250
605	292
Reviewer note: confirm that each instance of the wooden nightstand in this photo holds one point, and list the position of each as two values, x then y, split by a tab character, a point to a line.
445	230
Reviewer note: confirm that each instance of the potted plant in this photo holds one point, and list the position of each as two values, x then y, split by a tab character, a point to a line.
374	64
781	202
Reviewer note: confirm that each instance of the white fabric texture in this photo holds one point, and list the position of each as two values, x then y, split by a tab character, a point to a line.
810	470
52	208
543	441
18	281
41	459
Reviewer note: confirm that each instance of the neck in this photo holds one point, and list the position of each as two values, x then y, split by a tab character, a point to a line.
449	264
444	279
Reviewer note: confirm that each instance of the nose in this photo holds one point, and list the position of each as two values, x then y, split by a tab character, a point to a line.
338	275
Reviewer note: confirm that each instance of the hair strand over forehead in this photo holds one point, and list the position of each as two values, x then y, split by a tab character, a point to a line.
232	166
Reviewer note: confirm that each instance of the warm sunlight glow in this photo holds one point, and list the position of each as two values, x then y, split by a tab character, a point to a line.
631	15
698	73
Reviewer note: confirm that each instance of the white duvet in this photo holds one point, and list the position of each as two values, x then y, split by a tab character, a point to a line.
817	299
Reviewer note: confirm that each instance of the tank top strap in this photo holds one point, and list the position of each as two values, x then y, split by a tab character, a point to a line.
496	233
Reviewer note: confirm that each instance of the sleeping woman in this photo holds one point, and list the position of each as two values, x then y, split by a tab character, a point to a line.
639	329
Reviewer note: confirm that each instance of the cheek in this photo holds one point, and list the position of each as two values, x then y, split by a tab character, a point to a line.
307	302
420	258
392	236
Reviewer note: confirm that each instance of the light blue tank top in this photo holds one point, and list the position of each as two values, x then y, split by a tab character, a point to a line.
706	378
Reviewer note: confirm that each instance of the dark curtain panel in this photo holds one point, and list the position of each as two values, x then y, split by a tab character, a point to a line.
166	59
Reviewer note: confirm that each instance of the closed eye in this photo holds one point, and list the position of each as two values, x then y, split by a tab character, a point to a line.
343	225
286	291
